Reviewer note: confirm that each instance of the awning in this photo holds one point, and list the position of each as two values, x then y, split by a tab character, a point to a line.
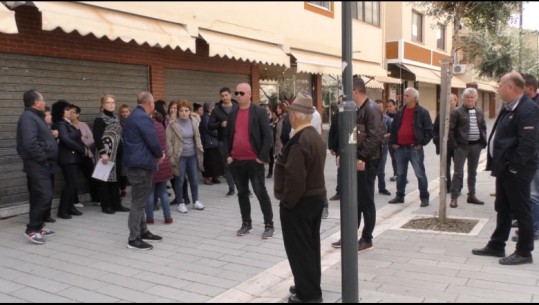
317	63
369	69
373	84
487	87
388	80
455	81
237	47
8	24
87	19
423	74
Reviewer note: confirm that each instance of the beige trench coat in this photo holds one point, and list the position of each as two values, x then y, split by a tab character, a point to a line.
175	145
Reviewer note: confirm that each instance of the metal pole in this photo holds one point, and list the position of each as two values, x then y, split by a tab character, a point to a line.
348	181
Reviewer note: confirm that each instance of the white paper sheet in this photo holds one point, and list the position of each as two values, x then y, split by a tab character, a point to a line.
102	171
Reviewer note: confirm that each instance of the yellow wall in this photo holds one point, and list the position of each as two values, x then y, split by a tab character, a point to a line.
284	23
399	26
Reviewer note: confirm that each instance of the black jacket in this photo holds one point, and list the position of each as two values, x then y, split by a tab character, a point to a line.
219	115
208	137
515	143
370	131
34	139
459	126
422	126
259	131
71	148
333	135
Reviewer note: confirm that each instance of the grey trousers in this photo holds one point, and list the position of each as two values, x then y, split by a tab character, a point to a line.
141	186
463	153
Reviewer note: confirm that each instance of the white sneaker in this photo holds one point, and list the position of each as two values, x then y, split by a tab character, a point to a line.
78	205
182	208
199	205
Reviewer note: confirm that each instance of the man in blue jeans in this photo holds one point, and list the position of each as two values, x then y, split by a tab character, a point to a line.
410	131
142	154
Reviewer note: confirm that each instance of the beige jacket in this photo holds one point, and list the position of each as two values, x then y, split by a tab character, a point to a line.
175	145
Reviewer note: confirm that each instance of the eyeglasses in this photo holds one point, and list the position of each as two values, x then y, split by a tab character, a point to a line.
239	93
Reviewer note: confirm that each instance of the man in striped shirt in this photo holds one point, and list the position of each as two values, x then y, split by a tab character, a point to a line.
468	134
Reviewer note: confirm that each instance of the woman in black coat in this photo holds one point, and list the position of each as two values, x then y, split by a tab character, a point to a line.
71	149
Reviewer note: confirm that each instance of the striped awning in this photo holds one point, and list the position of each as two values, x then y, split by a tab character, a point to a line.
241	48
88	19
8	24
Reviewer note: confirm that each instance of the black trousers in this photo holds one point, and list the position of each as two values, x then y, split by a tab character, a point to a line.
87	169
246	170
301	236
40	191
109	194
71	176
365	198
513	199
47	213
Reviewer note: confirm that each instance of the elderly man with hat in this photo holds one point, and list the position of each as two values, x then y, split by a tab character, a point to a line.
300	186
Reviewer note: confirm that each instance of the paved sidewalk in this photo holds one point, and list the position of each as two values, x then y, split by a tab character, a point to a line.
414	266
202	260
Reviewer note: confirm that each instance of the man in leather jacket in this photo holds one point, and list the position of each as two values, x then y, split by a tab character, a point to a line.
370	134
410	131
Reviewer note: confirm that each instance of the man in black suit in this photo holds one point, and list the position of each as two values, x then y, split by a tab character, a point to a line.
512	158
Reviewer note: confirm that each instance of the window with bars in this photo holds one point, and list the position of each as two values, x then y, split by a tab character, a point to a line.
367	11
322	4
417	27
440	36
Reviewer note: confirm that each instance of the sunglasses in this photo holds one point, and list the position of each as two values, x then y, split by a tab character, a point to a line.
239	93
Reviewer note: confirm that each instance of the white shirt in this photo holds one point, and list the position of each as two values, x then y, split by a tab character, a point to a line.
316	121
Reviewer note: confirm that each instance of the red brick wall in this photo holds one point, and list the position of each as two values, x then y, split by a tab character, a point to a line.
31	40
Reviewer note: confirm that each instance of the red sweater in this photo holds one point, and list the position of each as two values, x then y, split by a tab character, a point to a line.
164	170
406	131
242	149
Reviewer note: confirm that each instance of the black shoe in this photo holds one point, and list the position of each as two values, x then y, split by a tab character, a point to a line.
515	259
384	192
64	215
108	211
269	175
121	208
292	289
49	219
174	201
75	212
186	200
139	244
250	194
294	299
230	193
424	203
396	200
486	251
393	179
149	237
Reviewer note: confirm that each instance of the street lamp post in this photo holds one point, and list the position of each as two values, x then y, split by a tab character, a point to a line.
348	179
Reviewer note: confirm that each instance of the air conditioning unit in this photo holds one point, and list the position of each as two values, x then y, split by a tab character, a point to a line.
459	69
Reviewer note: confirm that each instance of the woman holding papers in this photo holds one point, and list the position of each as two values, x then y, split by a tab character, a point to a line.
108	136
71	149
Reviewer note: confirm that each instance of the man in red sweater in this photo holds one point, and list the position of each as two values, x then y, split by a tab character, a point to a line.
410	131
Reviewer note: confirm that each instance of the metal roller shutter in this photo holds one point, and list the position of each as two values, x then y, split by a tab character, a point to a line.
79	82
199	86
